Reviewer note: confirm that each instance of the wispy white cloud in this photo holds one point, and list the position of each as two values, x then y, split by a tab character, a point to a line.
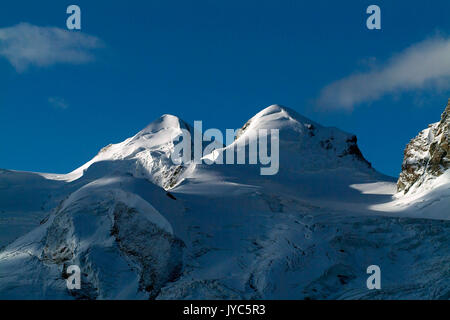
58	102
424	65
24	45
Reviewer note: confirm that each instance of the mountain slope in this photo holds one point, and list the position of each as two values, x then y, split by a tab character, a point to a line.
424	183
427	156
225	230
145	155
317	164
318	147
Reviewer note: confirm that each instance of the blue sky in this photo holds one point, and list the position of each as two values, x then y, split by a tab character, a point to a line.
219	62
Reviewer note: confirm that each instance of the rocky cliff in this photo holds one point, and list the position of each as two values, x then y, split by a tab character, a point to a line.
427	155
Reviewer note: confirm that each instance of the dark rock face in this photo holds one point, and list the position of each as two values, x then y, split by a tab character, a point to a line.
353	149
427	155
158	253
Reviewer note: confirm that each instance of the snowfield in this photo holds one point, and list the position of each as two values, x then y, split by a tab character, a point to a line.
141	227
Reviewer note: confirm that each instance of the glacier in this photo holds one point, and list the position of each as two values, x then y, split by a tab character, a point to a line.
141	227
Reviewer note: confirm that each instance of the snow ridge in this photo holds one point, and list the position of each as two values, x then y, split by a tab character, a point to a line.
140	227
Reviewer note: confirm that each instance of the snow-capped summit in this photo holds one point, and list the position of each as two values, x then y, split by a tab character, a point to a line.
305	144
276	117
145	155
426	157
165	122
225	231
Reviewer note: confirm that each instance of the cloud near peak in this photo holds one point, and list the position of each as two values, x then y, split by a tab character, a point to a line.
423	65
24	45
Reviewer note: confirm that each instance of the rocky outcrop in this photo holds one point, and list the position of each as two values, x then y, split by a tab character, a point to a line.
304	144
147	155
427	155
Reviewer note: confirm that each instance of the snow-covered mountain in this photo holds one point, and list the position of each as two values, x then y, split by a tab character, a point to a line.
316	147
141	227
427	156
145	155
424	182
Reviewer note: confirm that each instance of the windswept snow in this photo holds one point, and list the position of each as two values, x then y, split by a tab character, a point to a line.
431	201
141	227
145	155
383	187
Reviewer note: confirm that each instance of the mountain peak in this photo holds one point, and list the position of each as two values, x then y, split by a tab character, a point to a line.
166	121
278	116
145	155
427	155
308	146
274	108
